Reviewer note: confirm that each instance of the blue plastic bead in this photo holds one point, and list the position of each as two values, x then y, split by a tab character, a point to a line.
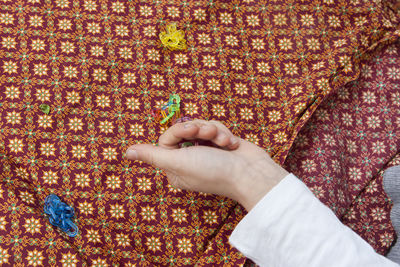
60	214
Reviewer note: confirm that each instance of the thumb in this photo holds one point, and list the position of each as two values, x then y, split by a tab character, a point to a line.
153	155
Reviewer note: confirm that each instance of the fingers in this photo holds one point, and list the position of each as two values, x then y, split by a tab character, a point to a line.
153	155
199	129
189	131
224	137
176	133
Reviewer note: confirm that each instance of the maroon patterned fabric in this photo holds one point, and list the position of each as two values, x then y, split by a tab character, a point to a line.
369	214
351	137
261	67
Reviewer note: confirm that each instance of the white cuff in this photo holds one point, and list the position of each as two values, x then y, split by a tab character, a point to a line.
291	227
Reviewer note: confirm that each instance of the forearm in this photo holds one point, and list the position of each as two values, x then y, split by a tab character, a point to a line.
290	227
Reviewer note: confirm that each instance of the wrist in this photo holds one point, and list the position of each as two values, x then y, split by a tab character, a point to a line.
257	181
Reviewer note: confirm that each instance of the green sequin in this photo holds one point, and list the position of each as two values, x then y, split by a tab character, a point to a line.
45	108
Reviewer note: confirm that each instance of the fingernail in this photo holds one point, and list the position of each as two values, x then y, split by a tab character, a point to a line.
131	154
234	140
187	125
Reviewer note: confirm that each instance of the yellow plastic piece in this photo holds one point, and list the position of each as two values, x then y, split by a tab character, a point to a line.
173	39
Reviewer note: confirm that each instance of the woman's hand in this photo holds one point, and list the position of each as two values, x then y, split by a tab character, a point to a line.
237	169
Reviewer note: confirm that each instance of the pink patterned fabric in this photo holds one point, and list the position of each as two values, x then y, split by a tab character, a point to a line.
351	137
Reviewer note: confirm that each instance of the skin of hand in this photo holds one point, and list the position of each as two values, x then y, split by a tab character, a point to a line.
236	168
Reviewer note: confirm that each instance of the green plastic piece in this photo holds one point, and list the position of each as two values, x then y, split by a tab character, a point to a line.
45	108
173	106
177	99
187	144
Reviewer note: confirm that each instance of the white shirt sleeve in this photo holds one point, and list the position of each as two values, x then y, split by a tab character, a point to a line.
290	227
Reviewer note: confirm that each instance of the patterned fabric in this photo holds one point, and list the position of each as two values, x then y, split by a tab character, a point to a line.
369	214
350	138
260	67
